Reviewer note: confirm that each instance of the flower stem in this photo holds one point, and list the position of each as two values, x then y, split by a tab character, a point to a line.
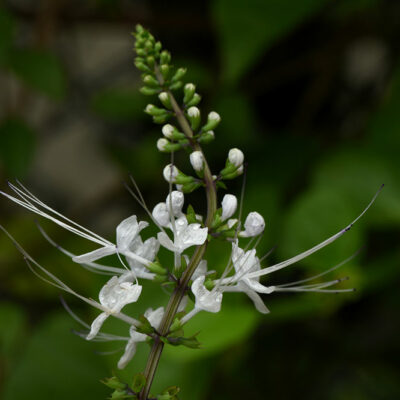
180	290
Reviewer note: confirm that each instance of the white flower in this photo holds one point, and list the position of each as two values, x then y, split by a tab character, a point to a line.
161	215
185	235
154	317
147	250
236	157
174	202
206	300
114	295
197	160
163	96
162	144
127	231
253	226
229	205
170	173
167	131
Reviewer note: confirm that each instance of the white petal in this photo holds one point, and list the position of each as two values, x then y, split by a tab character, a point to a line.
117	293
94	255
254	225
96	325
130	351
257	300
174	202
200	270
127	230
257	287
206	300
166	241
155	317
192	235
161	215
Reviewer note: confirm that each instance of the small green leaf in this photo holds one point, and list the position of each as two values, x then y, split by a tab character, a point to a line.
40	70
114	383
139	380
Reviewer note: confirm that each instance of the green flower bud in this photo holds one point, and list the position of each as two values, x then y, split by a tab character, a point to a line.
154	111
207	137
188	91
151	81
151	61
165	71
195	100
114	383
161	119
193	114
179	74
148	90
141	52
157	47
212	121
166	146
176	85
165	57
141	66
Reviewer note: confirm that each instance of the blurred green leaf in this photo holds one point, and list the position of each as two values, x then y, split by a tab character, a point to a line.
57	364
117	104
359	174
247	28
217	331
41	70
316	215
7	29
17	146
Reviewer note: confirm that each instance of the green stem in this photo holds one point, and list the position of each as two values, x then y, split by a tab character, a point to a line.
180	290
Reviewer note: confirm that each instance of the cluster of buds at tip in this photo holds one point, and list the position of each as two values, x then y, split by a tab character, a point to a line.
233	165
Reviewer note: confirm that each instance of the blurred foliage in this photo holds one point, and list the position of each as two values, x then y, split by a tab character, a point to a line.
318	145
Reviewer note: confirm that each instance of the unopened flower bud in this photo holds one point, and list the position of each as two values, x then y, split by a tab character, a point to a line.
154	111
180	72
254	225
161	215
162	144
236	157
212	121
165	100
194	101
232	222
170	173
174	202
207	137
168	130
229	205
188	91
194	117
197	160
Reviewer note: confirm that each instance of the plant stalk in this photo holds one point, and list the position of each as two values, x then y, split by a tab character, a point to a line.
180	290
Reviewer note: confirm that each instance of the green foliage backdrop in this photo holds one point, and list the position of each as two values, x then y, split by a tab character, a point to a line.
309	90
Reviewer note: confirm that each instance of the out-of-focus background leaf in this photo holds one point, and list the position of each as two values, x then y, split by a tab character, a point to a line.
309	90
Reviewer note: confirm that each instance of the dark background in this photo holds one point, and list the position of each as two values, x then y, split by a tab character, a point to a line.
309	90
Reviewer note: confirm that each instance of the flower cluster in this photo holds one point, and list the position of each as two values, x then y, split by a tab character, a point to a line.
182	232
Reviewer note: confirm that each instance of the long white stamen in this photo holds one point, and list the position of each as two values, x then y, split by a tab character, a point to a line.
61	285
29	195
322	273
319	246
